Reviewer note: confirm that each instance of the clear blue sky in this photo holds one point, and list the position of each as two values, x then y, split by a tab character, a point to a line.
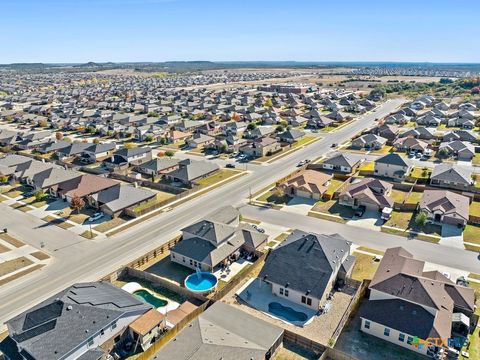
238	30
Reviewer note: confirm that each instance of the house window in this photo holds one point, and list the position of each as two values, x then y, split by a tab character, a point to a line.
114	325
409	340
102	332
401	337
304	300
309	301
386	332
191	262
281	291
286	292
183	259
173	255
366	324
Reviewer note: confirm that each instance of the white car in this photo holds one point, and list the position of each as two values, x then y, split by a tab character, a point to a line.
95	217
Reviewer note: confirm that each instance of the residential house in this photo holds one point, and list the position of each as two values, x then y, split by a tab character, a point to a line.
97	152
409	144
462	150
158	166
213	241
291	136
49	179
386	131
371	194
419	133
83	186
224	332
190	171
261	147
462	135
452	176
392	166
368	141
115	199
406	303
200	140
304	268
84	321
310	184
445	207
123	158
341	162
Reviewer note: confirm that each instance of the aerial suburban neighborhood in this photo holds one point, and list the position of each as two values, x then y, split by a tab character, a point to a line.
239	210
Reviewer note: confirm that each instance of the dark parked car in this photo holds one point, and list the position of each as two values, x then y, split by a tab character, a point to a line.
360	211
230	166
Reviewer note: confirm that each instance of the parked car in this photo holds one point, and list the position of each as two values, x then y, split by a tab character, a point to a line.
95	217
301	163
230	166
334	145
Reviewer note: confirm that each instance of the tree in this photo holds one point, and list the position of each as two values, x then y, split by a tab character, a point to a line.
3	179
130	145
153	114
96	141
236	116
421	218
148	138
223	148
58	136
268	102
251	126
39	195
279	129
169	153
163	141
43	123
443	152
109	133
77	203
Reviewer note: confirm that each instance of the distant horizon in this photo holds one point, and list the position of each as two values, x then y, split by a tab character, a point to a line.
79	31
313	62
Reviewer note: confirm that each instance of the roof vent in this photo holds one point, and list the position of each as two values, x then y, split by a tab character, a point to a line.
69	307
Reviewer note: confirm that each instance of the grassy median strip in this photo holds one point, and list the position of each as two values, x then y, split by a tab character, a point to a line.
40	255
9	266
88	235
11	240
20	274
61	223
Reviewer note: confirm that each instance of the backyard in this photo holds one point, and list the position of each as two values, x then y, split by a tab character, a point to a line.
365	266
220	175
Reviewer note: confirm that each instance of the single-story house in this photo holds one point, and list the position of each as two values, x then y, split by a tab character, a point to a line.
445	207
341	162
310	184
373	194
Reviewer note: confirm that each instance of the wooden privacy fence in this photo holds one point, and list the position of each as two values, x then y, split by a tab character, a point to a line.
303	342
170	334
334	354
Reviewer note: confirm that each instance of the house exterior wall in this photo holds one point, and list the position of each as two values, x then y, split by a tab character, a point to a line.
112	330
388	170
188	262
377	330
145	341
295	296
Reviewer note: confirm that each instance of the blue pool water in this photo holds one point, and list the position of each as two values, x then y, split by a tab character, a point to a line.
147	297
200	281
286	313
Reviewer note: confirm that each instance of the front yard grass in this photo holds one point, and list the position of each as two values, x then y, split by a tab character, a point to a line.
160	197
220	175
274	197
110	224
9	266
87	234
365	266
40	255
404	224
367	166
471	234
383	151
332	207
476	159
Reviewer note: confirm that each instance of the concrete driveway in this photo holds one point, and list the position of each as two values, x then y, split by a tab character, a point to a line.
370	220
452	236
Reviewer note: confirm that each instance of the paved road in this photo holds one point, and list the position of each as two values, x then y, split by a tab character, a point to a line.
77	259
435	253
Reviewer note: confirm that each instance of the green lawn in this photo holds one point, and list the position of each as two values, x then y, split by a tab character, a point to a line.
274	197
333	186
398	195
404	221
384	150
475	208
218	176
364	267
414	197
420	172
332	207
367	166
471	234
476	159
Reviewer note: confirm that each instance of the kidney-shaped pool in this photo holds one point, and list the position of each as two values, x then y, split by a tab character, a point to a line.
286	312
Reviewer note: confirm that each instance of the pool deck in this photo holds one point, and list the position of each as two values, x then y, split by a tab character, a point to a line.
258	294
235	268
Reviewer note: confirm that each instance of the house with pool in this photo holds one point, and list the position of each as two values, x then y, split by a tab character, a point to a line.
216	240
86	321
304	268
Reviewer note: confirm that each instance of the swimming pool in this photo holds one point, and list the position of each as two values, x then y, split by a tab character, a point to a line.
148	297
286	313
201	281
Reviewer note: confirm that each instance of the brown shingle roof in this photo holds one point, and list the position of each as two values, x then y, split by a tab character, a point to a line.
147	322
